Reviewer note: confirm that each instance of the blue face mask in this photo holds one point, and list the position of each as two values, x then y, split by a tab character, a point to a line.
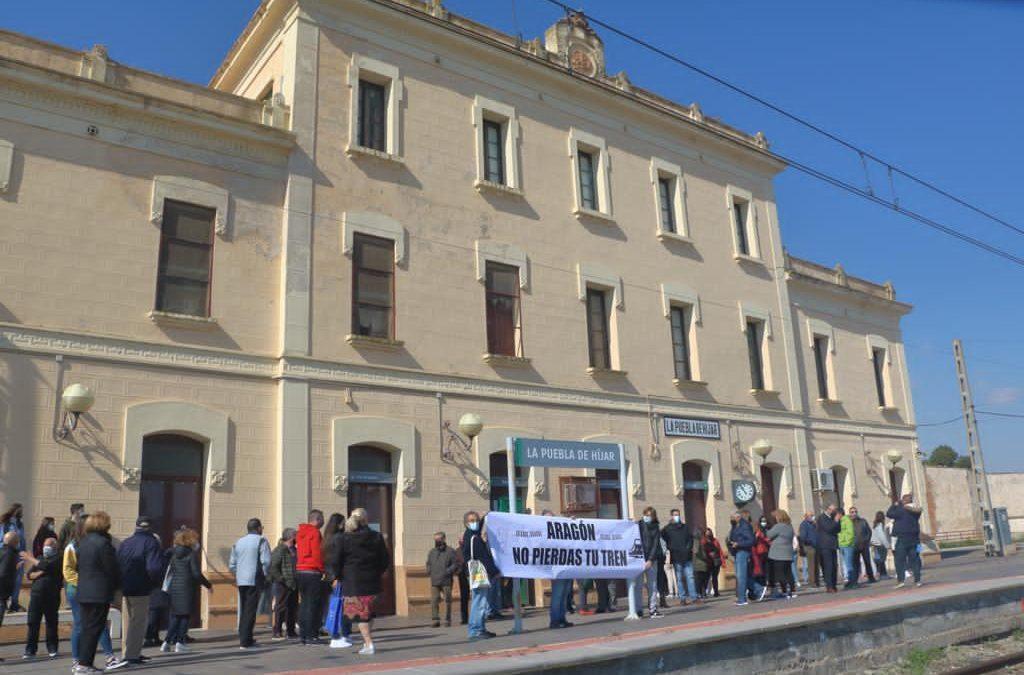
647	519
48	551
474	526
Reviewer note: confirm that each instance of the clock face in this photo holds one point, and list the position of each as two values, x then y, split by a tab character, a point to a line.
743	491
581	62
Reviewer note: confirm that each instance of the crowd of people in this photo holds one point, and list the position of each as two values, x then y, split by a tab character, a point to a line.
324	578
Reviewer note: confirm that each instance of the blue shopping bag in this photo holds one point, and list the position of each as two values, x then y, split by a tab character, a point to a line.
332	624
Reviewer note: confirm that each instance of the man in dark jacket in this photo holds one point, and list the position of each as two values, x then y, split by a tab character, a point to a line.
286	588
141	564
474	548
44	601
741	541
828	527
8	570
906	528
679	542
862	544
442	565
808	536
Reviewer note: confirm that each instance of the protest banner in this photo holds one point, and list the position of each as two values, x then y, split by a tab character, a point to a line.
549	547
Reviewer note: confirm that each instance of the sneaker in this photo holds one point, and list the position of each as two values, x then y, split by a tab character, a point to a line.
181	648
742	603
80	669
791	596
340	643
918	583
115	664
655	614
368	650
25	657
165	648
901	584
52	655
276	637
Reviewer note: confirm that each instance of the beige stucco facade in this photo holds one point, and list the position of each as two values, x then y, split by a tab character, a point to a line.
273	382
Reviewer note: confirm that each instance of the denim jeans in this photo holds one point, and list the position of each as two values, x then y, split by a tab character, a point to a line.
684	571
494	593
849	554
906	555
651	577
479	608
560	590
796	569
744	581
176	629
71	591
881	553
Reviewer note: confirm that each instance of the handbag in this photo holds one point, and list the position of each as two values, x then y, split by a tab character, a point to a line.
477	571
332	624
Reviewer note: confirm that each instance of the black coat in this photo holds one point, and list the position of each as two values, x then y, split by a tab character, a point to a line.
141	562
98	573
48	584
650	535
828	532
475	548
185	574
8	569
679	542
362	558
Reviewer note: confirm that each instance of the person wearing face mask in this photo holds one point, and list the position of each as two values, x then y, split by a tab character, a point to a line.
11	521
654	557
70	526
475	550
679	542
442	565
44	532
759	554
742	542
827	525
44	600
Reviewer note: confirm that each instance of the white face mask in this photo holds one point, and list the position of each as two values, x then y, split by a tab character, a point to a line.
474	526
675	519
48	551
647	519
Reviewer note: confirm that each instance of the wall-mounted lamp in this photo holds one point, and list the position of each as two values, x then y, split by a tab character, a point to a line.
895	456
76	399
762	448
470	425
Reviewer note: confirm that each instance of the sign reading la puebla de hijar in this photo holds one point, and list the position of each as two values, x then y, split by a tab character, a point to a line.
694	428
567	454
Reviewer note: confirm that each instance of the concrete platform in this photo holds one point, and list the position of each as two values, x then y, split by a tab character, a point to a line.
965	596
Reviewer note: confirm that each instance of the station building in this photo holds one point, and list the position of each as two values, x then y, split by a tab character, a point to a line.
285	288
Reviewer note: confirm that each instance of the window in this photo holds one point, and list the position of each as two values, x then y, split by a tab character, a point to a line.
878	358
598	329
590	175
375	109
681	343
503	313
755	353
373	288
373	115
588	185
821	352
186	252
666	198
494	152
740	212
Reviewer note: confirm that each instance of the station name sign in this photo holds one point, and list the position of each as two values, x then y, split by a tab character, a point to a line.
693	428
568	454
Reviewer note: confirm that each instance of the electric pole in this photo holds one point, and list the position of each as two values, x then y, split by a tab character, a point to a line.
979	479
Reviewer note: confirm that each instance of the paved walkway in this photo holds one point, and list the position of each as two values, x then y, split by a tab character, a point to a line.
413	646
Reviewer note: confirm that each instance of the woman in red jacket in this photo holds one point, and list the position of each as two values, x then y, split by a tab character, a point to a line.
759	554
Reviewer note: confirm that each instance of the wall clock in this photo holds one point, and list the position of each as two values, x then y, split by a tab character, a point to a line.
743	492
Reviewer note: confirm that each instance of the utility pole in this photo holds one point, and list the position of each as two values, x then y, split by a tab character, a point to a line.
979	479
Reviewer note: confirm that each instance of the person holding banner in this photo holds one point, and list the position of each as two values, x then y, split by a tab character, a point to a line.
654	557
482	572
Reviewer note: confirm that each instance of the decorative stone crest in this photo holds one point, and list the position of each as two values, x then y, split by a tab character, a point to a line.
131	475
408	485
538	487
483	485
679	490
576	44
636	487
218	478
340	483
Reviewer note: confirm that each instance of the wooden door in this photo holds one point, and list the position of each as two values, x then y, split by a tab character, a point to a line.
378	500
895	484
769	502
171	491
695	495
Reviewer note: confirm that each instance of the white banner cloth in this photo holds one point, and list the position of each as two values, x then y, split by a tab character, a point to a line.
548	547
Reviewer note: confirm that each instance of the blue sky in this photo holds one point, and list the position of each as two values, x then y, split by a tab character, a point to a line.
931	85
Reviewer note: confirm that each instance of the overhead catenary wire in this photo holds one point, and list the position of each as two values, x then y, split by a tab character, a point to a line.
791	116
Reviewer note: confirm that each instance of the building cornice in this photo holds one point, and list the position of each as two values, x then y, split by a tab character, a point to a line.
47	342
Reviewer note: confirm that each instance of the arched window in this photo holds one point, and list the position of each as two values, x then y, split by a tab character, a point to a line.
695	495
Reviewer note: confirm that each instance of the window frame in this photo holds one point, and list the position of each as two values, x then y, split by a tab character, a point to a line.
517	331
363	68
599	294
755	352
581	141
739	197
880	373
685	315
162	257
822	350
662	170
366	128
487	111
358	239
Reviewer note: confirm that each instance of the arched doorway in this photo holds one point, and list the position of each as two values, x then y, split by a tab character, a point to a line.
171	490
695	496
770	483
372	487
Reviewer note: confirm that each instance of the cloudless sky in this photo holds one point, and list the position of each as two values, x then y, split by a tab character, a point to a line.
931	85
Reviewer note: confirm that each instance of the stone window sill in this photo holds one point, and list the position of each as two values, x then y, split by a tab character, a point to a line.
765	392
583	213
887	408
501	188
505	360
664	235
686	384
610	372
175	320
362	151
743	258
829	401
368	342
